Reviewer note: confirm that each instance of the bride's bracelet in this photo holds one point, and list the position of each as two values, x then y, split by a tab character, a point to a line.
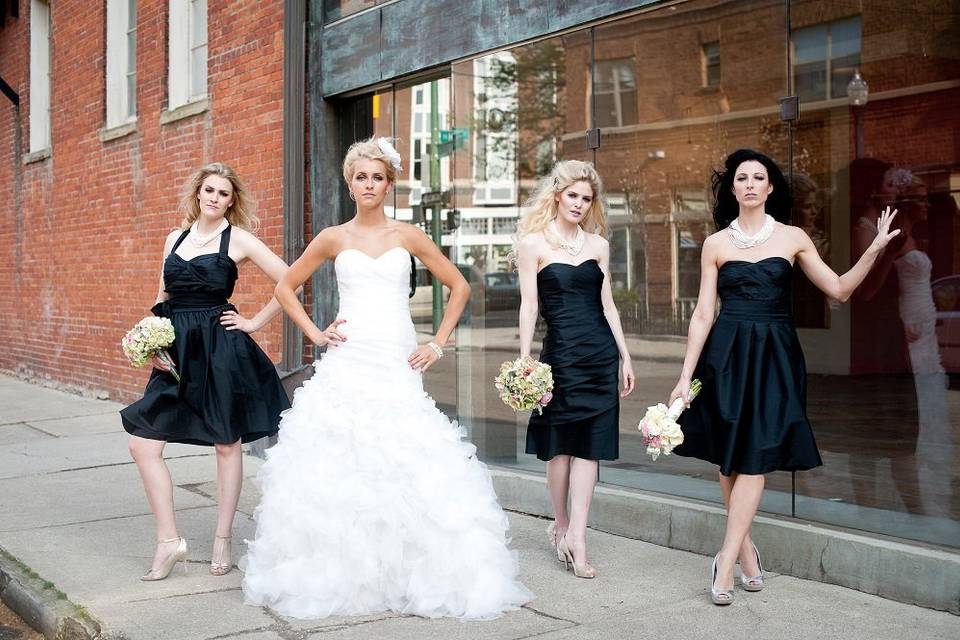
436	349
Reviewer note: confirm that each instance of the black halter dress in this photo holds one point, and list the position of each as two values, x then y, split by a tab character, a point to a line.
229	389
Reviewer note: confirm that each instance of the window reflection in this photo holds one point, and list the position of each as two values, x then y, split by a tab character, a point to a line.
825	57
673	90
336	9
615	93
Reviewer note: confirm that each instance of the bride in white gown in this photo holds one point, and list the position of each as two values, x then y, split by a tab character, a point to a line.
372	500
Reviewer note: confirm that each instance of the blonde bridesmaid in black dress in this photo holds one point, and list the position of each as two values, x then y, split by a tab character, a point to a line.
750	417
229	391
564	263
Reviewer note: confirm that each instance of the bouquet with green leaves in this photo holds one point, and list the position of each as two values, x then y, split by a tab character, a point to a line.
525	384
150	337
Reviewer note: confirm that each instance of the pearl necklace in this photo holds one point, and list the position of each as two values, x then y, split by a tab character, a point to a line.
573	248
199	241
743	241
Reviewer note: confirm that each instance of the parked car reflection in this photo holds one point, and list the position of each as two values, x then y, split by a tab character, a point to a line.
501	291
492	295
421	303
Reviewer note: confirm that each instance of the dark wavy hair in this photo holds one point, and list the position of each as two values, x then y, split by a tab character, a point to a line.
725	210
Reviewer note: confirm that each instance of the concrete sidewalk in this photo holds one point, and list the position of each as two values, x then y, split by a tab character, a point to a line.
76	534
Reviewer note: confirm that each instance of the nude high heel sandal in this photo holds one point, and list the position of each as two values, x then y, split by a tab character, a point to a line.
161	572
220	563
721	597
754	583
581	571
552	535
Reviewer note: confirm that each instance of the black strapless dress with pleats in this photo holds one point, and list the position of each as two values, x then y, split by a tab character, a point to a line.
229	389
582	418
751	415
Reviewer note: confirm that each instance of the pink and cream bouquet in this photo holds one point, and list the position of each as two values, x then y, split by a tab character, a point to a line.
659	427
525	384
150	337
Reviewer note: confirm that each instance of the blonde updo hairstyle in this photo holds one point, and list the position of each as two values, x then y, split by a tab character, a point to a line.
367	150
239	213
542	204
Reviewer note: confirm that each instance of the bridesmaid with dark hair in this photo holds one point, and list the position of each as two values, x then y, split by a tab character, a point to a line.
750	418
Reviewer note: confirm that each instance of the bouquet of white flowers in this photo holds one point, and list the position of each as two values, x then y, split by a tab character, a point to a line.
659	427
150	337
525	384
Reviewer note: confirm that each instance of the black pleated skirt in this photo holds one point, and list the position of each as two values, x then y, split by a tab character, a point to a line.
750	416
229	389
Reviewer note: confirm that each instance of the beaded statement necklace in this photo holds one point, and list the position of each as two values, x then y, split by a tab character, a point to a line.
201	241
573	247
743	241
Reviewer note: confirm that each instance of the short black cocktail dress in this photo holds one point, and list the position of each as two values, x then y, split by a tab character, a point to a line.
582	418
751	415
229	389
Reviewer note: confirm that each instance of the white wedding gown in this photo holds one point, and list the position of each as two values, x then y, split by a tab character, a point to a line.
372	500
919	315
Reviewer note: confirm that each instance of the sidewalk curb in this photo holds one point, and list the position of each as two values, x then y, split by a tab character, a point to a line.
41	605
871	564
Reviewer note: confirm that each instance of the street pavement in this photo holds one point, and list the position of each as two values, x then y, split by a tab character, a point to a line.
72	511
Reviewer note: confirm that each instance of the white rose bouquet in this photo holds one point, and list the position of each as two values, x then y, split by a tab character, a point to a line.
525	384
150	337
659	427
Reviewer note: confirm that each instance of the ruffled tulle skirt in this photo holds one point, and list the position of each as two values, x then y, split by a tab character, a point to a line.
372	501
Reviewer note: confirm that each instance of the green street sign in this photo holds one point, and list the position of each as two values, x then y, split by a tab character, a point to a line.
458	136
443	149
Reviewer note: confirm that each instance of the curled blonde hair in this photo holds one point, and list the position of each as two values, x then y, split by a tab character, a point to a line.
239	213
543	203
367	150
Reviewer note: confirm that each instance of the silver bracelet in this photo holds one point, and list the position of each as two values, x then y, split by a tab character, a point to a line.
436	349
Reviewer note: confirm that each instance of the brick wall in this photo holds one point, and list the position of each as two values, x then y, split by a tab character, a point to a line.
83	265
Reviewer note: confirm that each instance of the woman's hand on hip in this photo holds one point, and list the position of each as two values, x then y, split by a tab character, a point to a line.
422	358
233	321
331	336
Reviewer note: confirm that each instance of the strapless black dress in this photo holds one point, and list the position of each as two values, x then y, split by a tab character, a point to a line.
582	418
751	415
229	389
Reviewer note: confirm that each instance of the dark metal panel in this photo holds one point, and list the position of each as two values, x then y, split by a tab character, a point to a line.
324	167
570	13
424	34
405	37
294	71
351	53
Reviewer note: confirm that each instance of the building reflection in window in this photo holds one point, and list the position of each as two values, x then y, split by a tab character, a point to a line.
668	112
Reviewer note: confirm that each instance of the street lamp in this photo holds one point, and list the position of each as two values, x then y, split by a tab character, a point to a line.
858	92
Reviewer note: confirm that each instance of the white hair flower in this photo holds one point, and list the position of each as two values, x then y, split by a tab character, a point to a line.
392	155
901	178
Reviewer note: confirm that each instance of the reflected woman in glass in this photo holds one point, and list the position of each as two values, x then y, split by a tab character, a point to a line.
810	308
750	418
919	315
563	260
879	353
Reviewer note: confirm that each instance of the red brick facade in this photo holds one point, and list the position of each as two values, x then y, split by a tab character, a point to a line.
83	229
